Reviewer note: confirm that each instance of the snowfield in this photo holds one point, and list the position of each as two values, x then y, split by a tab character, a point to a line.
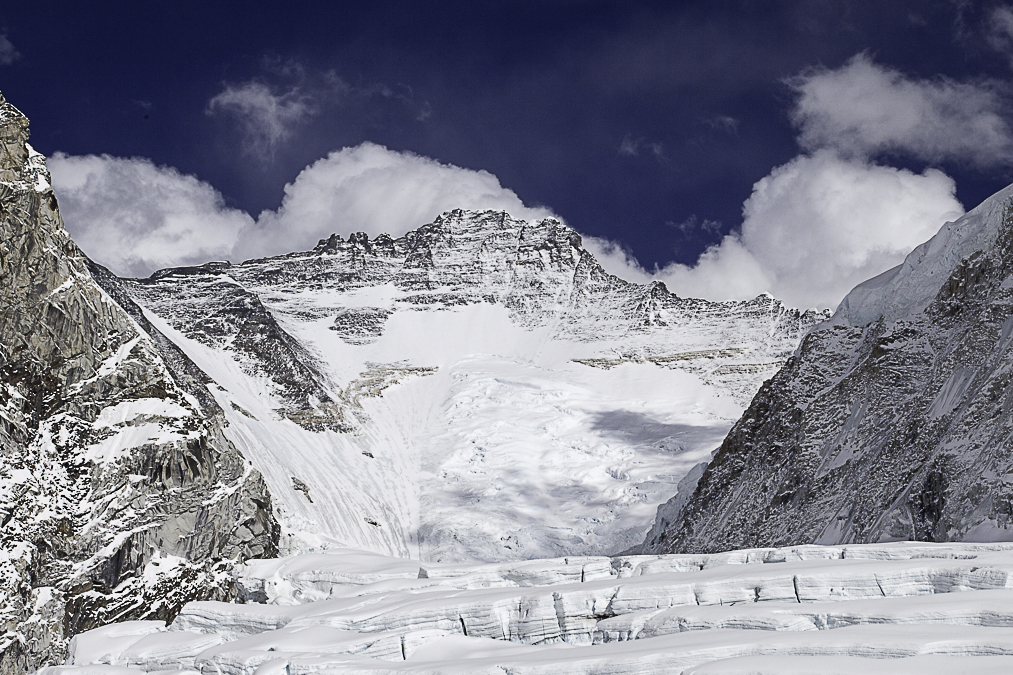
882	608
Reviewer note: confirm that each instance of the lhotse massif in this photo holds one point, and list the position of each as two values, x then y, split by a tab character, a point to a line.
155	432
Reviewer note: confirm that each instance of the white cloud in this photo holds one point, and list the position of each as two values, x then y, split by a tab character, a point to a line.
267	118
136	217
8	53
862	109
813	229
820	224
724	123
999	30
631	147
368	188
725	271
829	219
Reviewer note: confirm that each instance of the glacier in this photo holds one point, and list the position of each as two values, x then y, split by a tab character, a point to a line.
905	607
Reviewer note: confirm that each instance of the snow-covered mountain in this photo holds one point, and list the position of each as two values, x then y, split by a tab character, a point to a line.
478	389
119	496
448	429
892	421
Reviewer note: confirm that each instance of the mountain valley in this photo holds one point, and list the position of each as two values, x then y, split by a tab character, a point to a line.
470	449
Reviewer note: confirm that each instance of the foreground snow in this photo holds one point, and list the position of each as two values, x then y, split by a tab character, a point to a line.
887	608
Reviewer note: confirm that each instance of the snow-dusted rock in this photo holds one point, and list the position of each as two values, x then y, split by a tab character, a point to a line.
892	421
119	496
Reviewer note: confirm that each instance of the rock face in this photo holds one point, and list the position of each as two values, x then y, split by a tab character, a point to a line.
477	389
892	421
119	496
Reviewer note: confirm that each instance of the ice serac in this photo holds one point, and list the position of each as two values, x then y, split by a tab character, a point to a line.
119	496
901	607
477	389
892	421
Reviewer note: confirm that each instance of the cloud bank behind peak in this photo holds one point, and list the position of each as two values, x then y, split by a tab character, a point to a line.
136	217
812	229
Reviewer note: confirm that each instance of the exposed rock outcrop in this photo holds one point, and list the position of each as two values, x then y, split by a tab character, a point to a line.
892	421
119	496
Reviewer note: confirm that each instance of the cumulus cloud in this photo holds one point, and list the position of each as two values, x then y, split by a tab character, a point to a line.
832	217
726	271
368	188
863	109
8	53
820	224
812	230
136	217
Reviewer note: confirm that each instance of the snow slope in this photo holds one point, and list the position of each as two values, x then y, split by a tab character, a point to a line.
479	389
894	608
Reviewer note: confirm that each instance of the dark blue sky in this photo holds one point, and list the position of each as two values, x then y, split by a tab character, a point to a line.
542	94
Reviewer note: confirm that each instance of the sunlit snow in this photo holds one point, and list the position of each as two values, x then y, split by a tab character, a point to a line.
887	608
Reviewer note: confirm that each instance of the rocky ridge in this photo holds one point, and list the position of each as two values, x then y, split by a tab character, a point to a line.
119	496
891	422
